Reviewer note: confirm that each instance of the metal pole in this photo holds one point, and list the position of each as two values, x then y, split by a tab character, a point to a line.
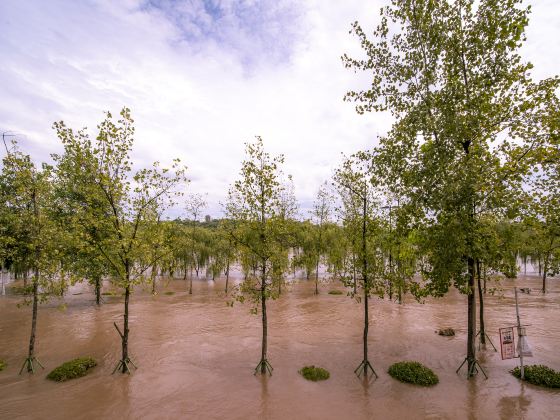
520	333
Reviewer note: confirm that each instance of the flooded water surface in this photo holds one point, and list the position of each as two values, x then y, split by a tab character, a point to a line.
195	357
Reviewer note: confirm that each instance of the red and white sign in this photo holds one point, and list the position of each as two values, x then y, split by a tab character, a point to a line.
507	343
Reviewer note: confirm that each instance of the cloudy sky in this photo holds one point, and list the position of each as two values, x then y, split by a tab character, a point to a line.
202	77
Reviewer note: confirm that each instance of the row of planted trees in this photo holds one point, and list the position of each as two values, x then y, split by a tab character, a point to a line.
463	186
70	222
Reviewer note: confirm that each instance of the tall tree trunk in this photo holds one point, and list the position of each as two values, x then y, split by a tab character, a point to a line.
366	285
366	330
97	282
153	278
190	286
125	332
264	320
545	269
471	311
31	353
482	331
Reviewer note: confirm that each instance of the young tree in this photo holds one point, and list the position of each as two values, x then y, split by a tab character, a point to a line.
106	174
359	202
195	207
321	213
26	195
450	74
258	228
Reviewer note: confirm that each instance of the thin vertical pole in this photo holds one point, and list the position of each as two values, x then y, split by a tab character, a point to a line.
519	334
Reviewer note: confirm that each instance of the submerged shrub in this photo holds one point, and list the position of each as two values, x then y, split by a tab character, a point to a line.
413	373
539	375
2	365
335	292
314	374
72	369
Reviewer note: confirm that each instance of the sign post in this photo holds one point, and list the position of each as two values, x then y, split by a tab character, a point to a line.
507	343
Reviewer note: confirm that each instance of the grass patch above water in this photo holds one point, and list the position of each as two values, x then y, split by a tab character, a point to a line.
110	293
72	369
413	373
312	373
539	375
335	292
2	365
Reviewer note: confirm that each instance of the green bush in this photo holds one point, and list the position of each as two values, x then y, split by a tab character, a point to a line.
335	292
72	369
314	374
413	373
169	293
539	375
2	365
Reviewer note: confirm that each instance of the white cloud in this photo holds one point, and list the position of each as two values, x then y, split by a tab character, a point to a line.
202	81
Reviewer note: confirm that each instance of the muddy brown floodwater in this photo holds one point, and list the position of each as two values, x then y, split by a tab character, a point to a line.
196	357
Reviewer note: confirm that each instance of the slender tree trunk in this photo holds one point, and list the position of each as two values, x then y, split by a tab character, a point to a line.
31	353
190	286
25	277
471	302
153	279
125	332
482	331
227	276
545	269
366	330
366	285
264	320
97	290
62	284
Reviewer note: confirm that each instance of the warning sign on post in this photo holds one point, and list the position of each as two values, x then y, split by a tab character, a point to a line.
507	344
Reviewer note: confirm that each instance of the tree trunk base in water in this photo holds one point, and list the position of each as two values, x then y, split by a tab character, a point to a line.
29	363
124	366
263	367
363	368
473	370
487	338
